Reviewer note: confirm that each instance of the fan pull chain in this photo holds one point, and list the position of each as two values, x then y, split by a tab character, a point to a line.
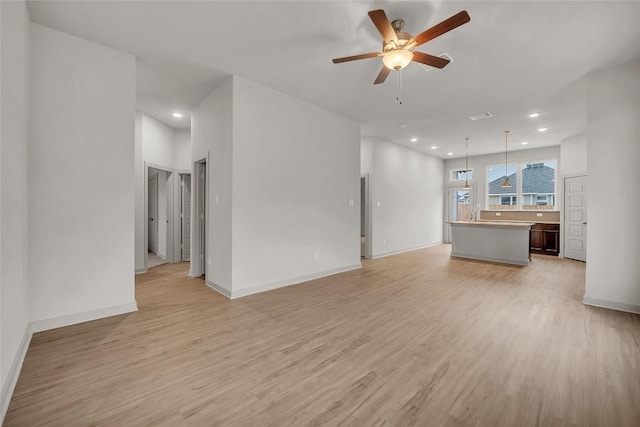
399	86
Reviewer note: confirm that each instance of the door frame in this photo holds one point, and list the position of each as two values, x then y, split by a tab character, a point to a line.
178	226
171	216
199	205
367	217
472	203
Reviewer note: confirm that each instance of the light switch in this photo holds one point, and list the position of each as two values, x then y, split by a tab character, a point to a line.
351	202
217	199
378	204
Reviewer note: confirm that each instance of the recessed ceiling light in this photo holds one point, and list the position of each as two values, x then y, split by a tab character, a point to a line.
177	115
524	142
433	147
481	116
449	154
542	129
534	115
414	139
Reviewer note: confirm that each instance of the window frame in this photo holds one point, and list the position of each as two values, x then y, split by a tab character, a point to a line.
517	189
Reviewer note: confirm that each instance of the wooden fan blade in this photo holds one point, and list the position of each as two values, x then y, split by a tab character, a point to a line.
434	61
383	25
441	28
382	76
355	57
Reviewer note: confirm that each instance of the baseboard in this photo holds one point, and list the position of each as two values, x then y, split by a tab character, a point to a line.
141	270
401	251
218	289
72	319
14	372
293	281
612	305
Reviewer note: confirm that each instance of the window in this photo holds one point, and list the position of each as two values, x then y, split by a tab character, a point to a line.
538	185
501	197
461	174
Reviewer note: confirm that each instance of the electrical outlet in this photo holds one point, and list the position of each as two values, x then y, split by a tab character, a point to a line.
316	256
384	241
498	213
209	262
539	214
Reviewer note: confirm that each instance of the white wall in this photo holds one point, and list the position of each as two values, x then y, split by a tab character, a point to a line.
182	150
295	168
140	204
408	185
14	305
613	147
212	136
573	155
81	186
157	142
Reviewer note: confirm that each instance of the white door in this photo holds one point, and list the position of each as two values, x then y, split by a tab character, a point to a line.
153	213
185	216
575	218
460	206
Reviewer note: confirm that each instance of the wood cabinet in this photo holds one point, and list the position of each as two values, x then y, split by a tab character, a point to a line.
545	239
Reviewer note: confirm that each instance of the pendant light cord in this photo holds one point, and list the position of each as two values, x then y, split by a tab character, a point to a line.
399	87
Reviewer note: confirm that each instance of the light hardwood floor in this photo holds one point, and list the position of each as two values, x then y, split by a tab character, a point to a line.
413	339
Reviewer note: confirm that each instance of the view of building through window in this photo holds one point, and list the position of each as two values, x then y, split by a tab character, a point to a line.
500	197
538	186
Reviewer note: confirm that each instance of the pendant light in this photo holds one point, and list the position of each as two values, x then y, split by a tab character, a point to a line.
505	183
466	167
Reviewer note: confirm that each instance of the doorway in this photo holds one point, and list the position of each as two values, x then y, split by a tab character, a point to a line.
575	218
159	216
365	225
185	217
198	237
460	206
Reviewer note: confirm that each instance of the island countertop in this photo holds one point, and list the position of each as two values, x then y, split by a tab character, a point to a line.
494	223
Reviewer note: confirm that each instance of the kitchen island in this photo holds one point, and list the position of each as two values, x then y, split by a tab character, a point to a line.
499	241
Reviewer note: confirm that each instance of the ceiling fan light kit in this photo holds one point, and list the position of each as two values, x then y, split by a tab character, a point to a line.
397	46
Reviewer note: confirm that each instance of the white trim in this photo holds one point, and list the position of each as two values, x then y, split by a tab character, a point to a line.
386	254
223	291
141	270
612	305
72	319
14	372
290	282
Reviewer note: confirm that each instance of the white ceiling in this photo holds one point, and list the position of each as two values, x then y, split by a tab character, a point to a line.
512	59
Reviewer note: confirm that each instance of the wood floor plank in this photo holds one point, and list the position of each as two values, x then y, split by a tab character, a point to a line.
414	339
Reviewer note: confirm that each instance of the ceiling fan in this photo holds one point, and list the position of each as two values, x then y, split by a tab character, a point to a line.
397	47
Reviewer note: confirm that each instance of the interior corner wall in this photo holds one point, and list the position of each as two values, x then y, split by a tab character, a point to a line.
573	155
140	205
81	185
408	186
613	149
212	139
14	304
296	190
